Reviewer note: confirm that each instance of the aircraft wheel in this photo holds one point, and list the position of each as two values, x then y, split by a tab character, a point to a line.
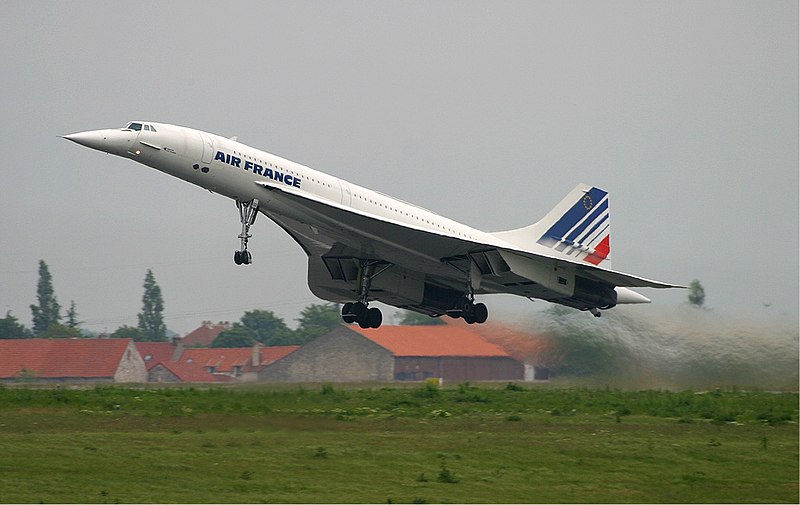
469	318
237	257
480	313
247	258
359	310
374	318
347	313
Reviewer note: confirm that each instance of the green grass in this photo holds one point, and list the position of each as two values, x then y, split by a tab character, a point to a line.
487	444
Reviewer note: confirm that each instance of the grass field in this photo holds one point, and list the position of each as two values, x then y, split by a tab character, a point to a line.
423	444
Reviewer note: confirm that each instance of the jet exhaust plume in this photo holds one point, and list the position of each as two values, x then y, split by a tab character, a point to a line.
670	348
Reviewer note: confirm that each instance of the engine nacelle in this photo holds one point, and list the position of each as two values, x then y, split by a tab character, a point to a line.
592	294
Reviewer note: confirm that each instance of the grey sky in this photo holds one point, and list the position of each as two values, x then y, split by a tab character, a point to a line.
486	112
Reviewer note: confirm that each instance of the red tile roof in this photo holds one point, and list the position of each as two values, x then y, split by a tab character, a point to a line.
205	334
225	358
276	352
154	353
57	358
192	372
431	341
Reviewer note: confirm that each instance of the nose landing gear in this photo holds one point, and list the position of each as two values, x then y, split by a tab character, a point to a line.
248	211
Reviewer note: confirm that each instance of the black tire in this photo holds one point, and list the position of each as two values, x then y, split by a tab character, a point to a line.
347	313
360	311
237	257
374	317
247	258
480	313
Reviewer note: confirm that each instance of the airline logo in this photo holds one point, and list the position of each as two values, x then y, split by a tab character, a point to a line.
583	230
249	166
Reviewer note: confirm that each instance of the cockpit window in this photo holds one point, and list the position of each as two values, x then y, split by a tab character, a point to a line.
139	127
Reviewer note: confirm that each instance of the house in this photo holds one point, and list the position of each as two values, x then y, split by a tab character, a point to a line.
173	371
240	363
205	334
172	362
71	360
352	354
154	353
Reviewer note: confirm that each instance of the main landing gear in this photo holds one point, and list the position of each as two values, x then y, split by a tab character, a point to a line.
469	310
465	307
247	215
359	312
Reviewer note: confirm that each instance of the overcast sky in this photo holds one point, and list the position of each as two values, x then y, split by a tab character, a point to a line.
486	112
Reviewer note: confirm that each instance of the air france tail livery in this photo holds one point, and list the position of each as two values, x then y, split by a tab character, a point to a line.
364	246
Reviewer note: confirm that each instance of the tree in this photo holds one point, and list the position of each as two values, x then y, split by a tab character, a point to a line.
151	319
316	320
72	316
261	326
237	336
416	319
10	328
267	328
126	331
697	295
48	311
58	330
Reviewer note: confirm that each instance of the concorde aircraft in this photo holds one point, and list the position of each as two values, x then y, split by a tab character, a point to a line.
363	245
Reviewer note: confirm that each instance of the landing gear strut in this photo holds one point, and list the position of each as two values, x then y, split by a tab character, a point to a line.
247	215
465	306
359	312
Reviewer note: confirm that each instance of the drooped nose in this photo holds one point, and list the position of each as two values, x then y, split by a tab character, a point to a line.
95	139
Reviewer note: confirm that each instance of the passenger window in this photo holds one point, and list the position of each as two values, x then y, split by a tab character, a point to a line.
147	127
152	128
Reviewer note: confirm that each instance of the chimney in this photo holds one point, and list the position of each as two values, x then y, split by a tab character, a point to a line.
178	352
257	354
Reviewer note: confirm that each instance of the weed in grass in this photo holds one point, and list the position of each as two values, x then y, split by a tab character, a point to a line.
429	390
246	475
446	476
422	477
764	441
321	453
514	418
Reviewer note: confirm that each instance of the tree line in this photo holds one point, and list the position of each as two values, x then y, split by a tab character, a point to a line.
47	318
261	326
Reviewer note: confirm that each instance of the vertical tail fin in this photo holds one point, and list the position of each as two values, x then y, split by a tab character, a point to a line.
578	227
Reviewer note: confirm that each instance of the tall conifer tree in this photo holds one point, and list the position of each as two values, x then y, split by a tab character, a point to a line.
151	319
48	312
